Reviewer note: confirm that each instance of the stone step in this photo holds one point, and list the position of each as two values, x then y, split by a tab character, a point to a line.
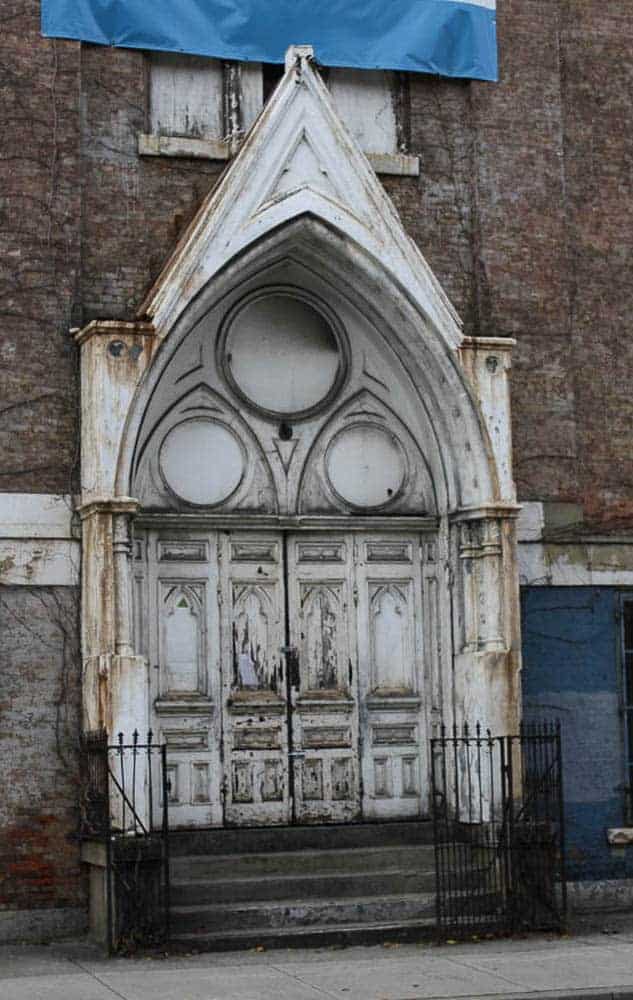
304	862
316	936
328	885
295	913
261	840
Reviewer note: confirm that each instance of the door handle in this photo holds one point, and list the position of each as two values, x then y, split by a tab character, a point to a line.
296	753
292	663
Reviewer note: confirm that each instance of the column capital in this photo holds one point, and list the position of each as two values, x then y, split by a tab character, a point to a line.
108	505
115	328
493	511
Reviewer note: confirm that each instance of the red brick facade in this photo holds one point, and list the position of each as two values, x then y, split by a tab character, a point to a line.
39	705
523	208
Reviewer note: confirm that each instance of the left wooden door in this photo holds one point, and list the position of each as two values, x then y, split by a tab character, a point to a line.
177	612
254	682
212	605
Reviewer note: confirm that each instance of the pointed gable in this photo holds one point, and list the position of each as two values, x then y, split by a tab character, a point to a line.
298	159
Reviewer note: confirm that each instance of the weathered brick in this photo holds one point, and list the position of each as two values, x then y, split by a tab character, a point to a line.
523	208
40	696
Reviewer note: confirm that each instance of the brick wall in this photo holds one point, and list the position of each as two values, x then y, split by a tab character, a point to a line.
520	208
39	704
40	226
523	208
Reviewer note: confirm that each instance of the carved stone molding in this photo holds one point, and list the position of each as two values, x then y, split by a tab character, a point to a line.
480	553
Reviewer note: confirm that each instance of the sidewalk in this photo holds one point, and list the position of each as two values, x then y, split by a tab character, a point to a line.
588	965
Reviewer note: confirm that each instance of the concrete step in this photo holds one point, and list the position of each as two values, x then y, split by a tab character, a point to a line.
304	862
328	885
261	840
295	913
316	936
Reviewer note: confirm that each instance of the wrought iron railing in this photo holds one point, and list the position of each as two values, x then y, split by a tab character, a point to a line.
499	830
125	807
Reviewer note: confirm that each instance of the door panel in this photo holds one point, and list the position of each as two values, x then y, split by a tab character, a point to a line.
345	734
324	702
183	648
390	658
254	699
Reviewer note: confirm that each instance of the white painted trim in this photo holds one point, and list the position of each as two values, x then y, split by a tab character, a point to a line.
395	164
35	515
583	564
531	522
170	145
620	836
37	547
488	4
586	561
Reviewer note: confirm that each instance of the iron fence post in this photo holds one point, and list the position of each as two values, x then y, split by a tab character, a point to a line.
561	824
165	832
110	901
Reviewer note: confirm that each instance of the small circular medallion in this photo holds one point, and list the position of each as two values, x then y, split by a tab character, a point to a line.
365	465
201	461
281	354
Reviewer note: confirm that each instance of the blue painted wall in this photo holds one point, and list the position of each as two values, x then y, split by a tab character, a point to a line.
571	671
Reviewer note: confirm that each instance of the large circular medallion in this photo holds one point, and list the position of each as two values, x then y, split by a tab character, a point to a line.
201	461
365	465
281	354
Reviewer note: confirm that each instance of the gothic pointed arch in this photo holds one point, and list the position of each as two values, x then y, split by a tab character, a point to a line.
274	205
379	490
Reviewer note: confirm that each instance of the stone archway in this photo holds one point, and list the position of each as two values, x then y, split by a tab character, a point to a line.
334	238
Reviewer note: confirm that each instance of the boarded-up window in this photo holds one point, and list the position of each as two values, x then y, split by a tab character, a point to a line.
203	107
365	101
192	96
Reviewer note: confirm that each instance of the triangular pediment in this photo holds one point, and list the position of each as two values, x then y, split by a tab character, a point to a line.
302	168
297	160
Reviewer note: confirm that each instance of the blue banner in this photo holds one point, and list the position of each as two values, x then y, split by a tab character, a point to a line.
445	37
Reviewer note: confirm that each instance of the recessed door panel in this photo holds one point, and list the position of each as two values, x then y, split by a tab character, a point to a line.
286	673
183	642
390	660
254	696
324	701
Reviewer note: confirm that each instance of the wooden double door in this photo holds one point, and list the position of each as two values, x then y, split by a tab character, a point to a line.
286	672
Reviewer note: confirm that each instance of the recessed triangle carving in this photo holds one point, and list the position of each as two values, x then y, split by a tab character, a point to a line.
302	168
285	450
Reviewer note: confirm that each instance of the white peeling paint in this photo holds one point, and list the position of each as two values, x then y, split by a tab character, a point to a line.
37	547
582	564
39	563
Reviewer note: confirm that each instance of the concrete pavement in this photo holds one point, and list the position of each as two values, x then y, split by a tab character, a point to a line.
590	965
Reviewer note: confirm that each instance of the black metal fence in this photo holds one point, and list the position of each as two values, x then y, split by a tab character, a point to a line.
125	809
499	830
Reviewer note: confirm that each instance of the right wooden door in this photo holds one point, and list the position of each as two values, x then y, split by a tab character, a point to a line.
388	596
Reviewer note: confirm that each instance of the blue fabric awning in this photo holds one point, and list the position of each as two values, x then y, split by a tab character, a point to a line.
447	37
